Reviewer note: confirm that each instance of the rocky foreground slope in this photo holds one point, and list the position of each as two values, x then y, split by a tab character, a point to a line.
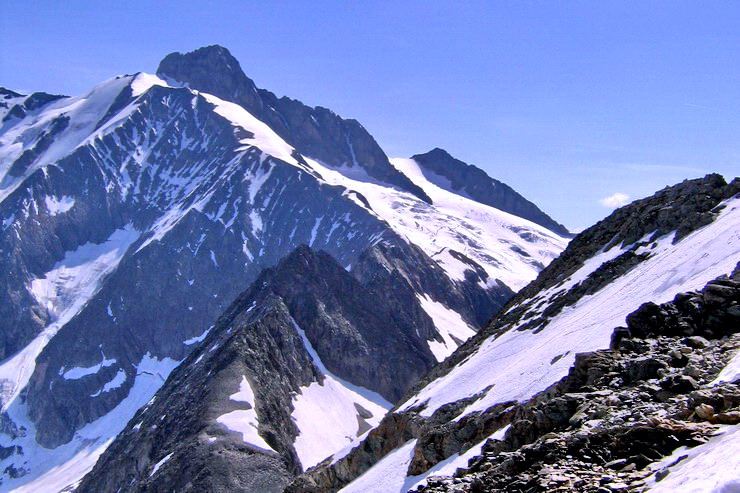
518	370
659	410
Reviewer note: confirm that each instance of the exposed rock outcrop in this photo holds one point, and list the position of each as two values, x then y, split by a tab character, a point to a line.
621	411
690	320
616	413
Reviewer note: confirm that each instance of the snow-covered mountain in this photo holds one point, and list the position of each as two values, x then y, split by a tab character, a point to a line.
133	215
527	392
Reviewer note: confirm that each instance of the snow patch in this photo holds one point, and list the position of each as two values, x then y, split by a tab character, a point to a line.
730	373
78	372
58	205
455	231
327	414
64	466
449	466
160	464
387	475
450	325
70	284
196	339
143	82
245	421
264	137
78	274
708	468
85	111
115	382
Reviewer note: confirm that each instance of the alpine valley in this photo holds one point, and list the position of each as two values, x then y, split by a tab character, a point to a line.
210	288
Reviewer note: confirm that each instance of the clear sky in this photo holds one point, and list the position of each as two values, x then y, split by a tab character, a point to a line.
570	102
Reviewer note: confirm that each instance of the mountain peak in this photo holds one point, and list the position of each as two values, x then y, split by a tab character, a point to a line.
7	93
438	151
475	183
212	69
215	57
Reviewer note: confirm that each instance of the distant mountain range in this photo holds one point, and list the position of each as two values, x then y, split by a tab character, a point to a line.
134	215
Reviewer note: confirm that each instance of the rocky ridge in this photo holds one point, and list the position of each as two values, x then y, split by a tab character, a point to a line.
316	132
609	424
605	427
682	208
365	327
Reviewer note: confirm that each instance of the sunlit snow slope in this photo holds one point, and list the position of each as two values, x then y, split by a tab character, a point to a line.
519	363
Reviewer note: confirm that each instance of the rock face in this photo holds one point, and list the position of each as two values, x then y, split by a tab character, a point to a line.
353	334
453	174
133	215
314	132
540	367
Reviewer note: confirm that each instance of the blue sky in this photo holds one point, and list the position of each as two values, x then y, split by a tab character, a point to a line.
568	102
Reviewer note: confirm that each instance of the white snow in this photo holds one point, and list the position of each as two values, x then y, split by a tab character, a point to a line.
245	421
325	414
160	464
64	466
114	383
449	324
315	229
731	372
341	454
384	476
518	363
490	237
449	466
58	205
79	372
487	235
709	468
245	393
84	111
592	264
264	137
142	82
257	181
8	221
79	273
197	339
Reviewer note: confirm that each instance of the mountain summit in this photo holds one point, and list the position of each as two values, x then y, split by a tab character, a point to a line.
459	177
315	132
